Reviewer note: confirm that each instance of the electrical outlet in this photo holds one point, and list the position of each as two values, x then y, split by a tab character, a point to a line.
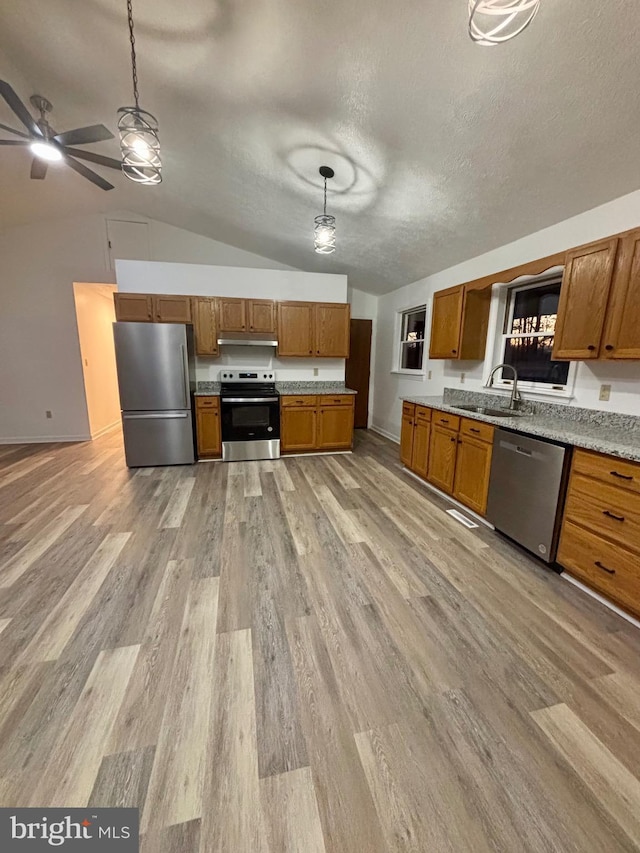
462	375
605	392
48	414
429	375
315	371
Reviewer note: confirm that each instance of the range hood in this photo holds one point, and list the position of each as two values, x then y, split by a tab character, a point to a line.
248	339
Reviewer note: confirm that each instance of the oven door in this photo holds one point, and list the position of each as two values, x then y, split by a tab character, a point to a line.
250	418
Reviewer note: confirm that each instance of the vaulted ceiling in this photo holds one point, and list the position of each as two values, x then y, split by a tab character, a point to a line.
442	149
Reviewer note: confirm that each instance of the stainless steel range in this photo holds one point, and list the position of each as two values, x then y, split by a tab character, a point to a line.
250	407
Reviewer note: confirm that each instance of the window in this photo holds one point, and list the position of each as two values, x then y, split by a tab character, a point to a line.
412	338
527	339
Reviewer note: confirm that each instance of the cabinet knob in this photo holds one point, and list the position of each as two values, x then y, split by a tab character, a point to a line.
310	352
591	347
609	347
251	327
453	439
454	351
318	352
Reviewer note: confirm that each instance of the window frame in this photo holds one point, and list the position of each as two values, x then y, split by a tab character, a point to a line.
400	342
505	318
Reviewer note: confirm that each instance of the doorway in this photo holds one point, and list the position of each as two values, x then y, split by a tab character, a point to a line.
358	369
95	314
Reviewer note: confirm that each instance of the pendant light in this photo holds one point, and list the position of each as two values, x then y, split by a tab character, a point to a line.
496	21
325	229
139	142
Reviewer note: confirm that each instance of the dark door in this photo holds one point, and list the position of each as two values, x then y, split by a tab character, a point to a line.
358	369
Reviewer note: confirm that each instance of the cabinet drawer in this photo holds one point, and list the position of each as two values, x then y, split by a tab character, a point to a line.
302	400
423	415
476	429
608	469
207	402
608	568
335	400
446	420
606	510
408	409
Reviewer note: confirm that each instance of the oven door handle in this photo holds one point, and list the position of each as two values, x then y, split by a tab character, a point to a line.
250	399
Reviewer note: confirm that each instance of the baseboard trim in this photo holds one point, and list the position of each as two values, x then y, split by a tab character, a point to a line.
461	506
383	432
608	604
106	429
44	439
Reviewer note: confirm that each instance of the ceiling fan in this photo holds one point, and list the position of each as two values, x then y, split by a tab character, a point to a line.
48	146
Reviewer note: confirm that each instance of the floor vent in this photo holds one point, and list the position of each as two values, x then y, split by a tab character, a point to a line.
462	518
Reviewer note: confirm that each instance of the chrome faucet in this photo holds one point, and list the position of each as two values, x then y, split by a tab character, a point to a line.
516	397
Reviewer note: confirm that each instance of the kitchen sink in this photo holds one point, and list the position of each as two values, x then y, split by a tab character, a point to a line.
493	413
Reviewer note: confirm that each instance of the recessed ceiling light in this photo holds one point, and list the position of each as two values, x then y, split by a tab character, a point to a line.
46	151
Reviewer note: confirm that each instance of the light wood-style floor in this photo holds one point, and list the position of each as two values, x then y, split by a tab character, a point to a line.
304	655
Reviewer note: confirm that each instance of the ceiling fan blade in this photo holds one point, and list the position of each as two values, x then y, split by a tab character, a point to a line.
13	130
95	158
38	168
84	135
19	109
15	142
81	169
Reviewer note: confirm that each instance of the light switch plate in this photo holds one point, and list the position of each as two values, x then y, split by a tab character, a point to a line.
605	392
462	376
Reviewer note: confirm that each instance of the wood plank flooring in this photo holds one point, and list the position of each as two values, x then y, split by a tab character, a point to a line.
302	656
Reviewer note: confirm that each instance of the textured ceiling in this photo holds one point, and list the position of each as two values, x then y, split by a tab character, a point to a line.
442	149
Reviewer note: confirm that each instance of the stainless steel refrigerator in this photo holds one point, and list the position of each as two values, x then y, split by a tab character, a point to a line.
156	378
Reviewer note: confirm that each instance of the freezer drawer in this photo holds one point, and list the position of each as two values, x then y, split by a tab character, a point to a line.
525	490
158	438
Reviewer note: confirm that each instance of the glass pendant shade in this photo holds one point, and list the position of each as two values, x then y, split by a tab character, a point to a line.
325	234
496	21
139	145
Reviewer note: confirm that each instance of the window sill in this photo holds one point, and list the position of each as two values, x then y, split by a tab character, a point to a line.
566	394
410	374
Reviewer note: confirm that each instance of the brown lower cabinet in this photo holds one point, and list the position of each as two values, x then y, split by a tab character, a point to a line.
310	422
208	427
600	538
452	453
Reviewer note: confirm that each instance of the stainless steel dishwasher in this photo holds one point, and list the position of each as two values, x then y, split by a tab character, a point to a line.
526	490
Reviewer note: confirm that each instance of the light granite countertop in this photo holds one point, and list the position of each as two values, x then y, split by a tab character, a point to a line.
616	435
212	389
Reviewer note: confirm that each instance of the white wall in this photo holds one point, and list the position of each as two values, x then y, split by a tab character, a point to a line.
95	315
618	215
40	363
208	280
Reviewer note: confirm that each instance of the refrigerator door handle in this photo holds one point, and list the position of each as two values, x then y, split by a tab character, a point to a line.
185	375
154	415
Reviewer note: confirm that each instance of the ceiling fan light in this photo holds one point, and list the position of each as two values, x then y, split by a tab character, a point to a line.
139	145
493	22
46	151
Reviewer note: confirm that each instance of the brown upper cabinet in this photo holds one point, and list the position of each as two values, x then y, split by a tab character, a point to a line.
319	329
246	315
172	309
134	307
622	327
586	285
459	322
204	315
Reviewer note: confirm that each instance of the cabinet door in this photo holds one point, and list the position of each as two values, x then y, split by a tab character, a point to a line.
420	452
586	283
134	307
622	333
473	467
298	428
208	428
205	327
406	440
172	309
332	325
446	320
295	329
443	445
262	315
335	427
232	315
